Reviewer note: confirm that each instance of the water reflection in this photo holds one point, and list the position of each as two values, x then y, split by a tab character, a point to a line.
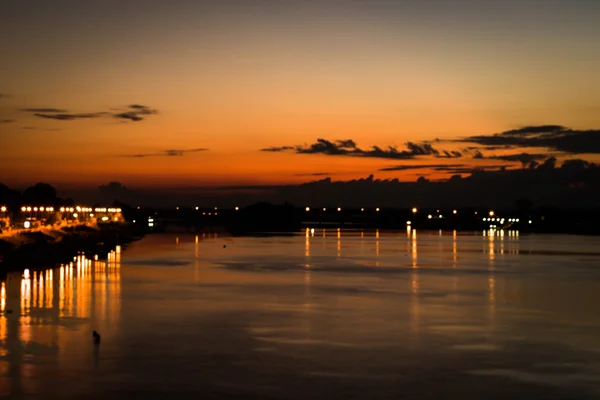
53	319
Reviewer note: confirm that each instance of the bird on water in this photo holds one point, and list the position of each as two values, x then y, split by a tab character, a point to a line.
96	337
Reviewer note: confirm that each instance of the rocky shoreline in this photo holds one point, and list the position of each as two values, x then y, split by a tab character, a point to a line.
54	246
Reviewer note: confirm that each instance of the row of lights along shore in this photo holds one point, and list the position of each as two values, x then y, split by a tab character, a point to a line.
66	209
308	209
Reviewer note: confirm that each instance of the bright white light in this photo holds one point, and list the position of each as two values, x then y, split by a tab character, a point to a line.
106	218
408	222
23	209
27	224
530	221
91	215
377	209
307	209
34	208
312	231
454	212
414	210
26	274
237	208
3	209
485	219
150	224
339	209
440	216
517	219
429	216
41	208
75	215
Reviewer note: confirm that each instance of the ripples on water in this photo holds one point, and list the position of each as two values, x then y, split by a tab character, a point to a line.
324	314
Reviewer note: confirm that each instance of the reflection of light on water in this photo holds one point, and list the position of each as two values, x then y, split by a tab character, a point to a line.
339	242
454	253
34	290
61	292
307	244
491	247
414	287
3	319
25	325
3	297
414	248
377	263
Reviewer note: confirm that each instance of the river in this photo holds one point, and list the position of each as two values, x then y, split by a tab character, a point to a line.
321	314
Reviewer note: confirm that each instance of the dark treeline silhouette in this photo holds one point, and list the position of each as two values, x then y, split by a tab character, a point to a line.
574	184
40	194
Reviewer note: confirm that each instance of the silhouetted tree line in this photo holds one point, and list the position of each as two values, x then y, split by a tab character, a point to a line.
40	194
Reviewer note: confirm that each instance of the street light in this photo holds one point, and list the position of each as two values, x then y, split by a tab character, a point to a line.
414	210
307	209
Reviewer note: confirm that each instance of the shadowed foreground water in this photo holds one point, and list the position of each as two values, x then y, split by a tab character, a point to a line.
399	315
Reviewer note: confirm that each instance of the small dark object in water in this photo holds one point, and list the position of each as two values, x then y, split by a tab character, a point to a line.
96	336
9	311
224	246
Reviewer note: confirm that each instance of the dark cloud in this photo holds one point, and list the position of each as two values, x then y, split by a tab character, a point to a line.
44	110
426	166
165	153
135	112
523	158
449	154
554	137
315	174
466	169
278	149
349	148
6	121
69	117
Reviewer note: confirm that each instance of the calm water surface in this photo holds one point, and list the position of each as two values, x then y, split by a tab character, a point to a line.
400	315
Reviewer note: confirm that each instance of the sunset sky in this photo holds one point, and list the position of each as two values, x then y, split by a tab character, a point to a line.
191	93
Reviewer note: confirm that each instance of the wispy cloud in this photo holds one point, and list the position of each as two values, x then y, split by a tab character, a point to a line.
69	117
314	174
349	148
554	137
44	110
425	166
164	153
135	112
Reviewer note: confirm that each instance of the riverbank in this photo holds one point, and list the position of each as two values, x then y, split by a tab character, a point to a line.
49	247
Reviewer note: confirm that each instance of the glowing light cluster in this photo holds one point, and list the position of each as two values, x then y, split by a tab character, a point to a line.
35	209
3	208
105	210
